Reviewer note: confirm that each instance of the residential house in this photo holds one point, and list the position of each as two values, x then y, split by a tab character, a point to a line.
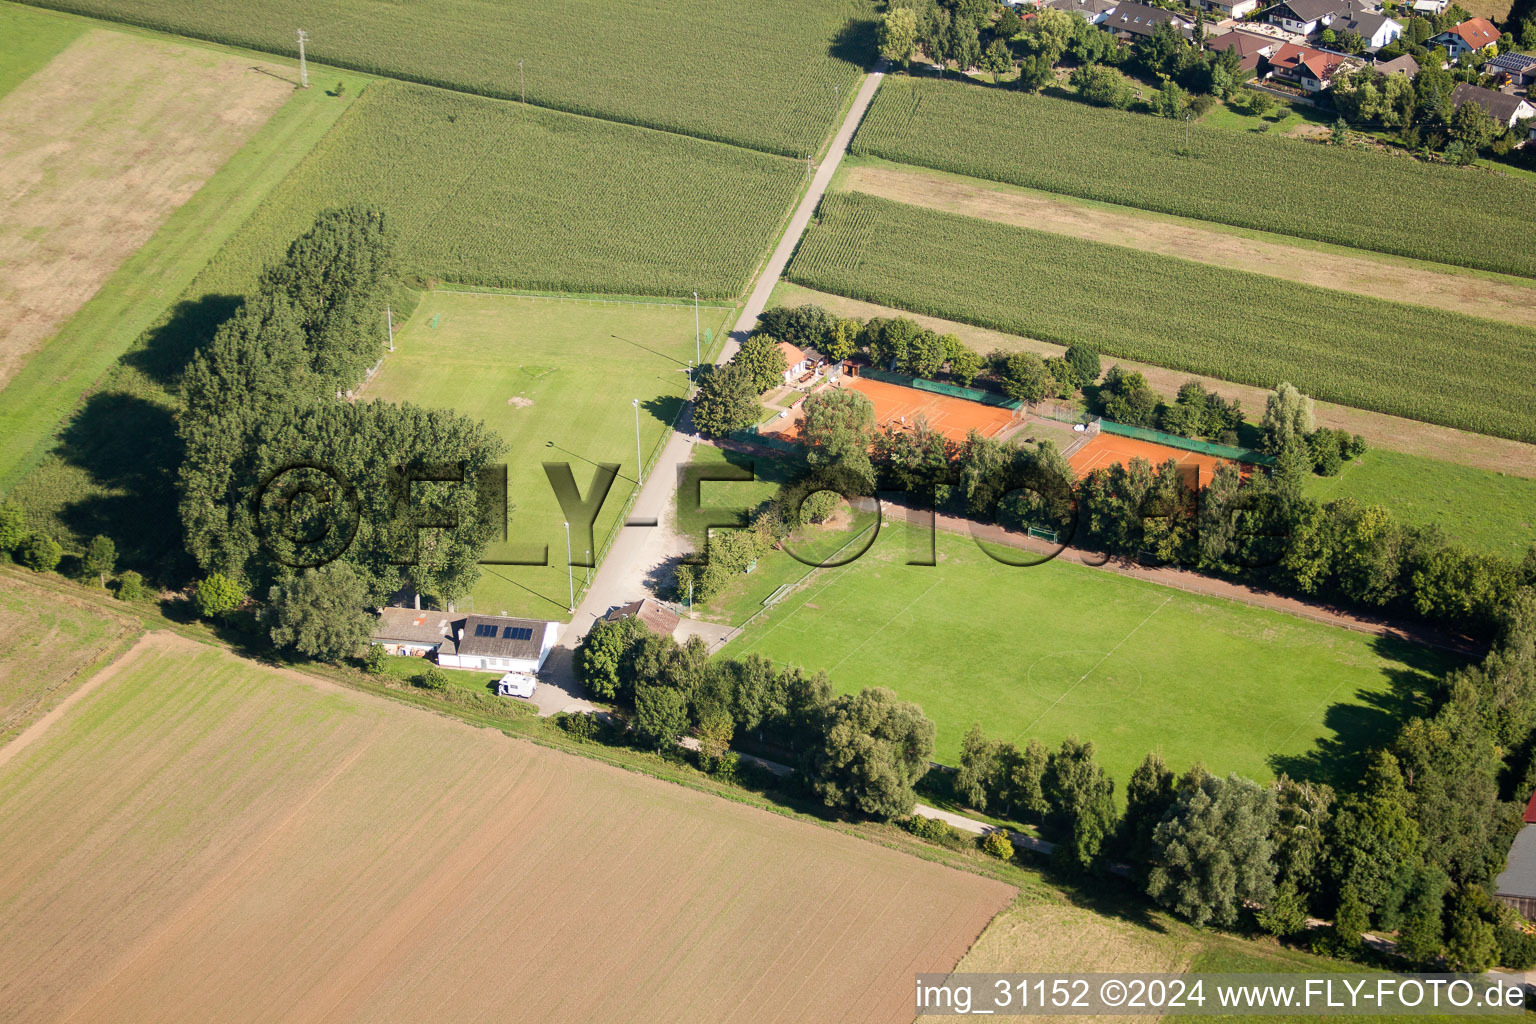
1468	37
1230	8
1304	17
1093	11
650	613
1503	107
1518	69
496	643
1516	886
1430	8
1312	70
1251	49
1375	28
1132	21
1404	65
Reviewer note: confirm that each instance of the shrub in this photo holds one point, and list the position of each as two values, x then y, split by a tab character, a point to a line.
39	552
936	831
818	507
376	660
130	586
217	596
579	725
434	679
996	844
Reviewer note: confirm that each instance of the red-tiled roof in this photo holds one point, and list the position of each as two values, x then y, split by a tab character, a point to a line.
1476	32
1319	64
792	353
1530	810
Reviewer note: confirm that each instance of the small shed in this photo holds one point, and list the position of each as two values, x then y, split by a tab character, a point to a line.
651	614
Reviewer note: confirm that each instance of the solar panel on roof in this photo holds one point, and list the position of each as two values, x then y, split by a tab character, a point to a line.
485	630
517	633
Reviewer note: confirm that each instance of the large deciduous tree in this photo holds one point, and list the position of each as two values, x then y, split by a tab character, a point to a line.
319	612
870	751
1213	850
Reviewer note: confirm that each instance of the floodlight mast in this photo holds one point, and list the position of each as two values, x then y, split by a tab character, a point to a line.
303	64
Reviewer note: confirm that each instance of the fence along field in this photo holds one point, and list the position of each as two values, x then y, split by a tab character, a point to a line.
488	192
165	848
767	73
1362	199
1425	364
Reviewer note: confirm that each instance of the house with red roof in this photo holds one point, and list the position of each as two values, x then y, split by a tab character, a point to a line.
1470	36
1312	70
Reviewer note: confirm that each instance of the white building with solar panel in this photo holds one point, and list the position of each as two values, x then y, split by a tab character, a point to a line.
484	643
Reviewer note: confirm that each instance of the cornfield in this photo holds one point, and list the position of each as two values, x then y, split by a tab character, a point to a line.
767	75
1426	364
492	193
1369	200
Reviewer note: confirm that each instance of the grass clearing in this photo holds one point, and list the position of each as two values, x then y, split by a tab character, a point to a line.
29	40
49	640
1408	361
1392	204
136	304
1478	293
102	145
555	378
768	76
1481	511
492	193
1064	649
202	837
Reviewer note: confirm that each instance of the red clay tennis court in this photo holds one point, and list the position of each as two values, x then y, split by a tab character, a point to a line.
952	417
1108	449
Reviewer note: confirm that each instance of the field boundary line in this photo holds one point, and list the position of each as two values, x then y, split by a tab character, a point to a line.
886	625
736	631
558	297
1091	671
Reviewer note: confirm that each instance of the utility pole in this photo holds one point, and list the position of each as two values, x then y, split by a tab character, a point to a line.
389	319
698	356
303	65
570	571
1188	115
521	85
639	466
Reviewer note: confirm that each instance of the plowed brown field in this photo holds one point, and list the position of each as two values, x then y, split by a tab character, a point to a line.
202	838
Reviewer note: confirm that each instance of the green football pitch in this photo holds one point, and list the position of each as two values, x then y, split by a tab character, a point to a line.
556	378
1062	649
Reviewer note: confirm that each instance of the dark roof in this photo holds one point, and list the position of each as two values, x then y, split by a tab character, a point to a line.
1087	8
1516	62
1362	23
1500	105
654	615
1519	877
1306	10
1140	20
1404	65
1245	43
413	626
498	636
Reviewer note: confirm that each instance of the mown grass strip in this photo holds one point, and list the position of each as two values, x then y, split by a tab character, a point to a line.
1366	200
1425	364
767	74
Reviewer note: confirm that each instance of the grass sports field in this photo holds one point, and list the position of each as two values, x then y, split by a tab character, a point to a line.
493	193
555	379
200	837
1395	205
1477	509
770	75
1062	649
1409	361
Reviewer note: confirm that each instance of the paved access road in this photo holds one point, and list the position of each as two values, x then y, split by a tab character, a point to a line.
639	550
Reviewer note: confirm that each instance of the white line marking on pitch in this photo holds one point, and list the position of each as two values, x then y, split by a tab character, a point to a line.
1096	664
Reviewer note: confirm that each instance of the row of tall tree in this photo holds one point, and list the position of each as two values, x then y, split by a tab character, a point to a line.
282	476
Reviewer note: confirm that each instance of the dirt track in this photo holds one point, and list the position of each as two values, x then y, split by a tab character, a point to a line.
1382	278
202	838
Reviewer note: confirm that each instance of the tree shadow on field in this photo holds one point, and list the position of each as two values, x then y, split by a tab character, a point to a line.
855	42
127	445
167	348
1370	720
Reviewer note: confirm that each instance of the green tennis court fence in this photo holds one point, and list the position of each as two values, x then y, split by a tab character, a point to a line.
1221	451
938	388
